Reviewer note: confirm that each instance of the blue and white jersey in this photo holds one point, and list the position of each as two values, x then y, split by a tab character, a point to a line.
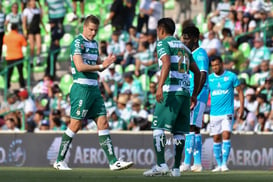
201	58
222	93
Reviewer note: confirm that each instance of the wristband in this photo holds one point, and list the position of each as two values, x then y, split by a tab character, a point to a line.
101	67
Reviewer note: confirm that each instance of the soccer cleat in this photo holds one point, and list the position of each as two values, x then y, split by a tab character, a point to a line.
196	168
185	167
61	165
120	165
217	169
157	170
175	172
224	168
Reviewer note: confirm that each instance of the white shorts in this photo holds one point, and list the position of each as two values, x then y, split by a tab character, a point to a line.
197	114
218	124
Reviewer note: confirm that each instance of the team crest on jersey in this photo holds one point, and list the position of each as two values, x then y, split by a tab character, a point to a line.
82	46
226	78
219	85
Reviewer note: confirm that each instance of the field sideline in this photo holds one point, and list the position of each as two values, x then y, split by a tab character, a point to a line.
25	174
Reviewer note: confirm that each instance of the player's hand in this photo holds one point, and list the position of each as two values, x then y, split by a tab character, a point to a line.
193	102
109	60
159	95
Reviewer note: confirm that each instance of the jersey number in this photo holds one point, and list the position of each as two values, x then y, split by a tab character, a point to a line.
183	64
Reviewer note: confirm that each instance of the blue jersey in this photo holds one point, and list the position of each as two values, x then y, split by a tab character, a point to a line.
201	58
222	93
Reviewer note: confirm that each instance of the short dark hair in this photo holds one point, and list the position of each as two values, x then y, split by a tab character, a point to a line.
191	31
14	26
91	19
214	58
145	44
167	24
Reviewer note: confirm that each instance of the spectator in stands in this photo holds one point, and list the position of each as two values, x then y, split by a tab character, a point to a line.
134	36
24	4
2	28
182	6
125	113
263	74
130	11
209	6
117	15
28	106
250	102
56	14
43	89
151	98
239	5
263	105
143	18
14	17
14	42
267	6
253	7
144	58
247	25
131	85
155	12
112	79
262	123
237	57
10	105
103	50
222	10
10	125
40	121
32	19
116	47
151	38
129	55
210	27
258	54
212	45
81	9
55	121
115	121
139	119
14	117
247	123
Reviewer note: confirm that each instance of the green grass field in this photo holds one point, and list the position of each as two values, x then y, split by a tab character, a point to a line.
12	174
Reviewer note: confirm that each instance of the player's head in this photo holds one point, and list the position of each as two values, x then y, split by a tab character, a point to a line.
190	37
217	65
165	27
90	27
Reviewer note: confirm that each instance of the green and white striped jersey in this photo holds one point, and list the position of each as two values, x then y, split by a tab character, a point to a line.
56	8
178	81
90	54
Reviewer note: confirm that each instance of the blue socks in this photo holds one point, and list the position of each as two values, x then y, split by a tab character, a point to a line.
217	150
197	149
225	151
189	144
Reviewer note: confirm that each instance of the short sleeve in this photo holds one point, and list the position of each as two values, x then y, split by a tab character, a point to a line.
76	47
162	49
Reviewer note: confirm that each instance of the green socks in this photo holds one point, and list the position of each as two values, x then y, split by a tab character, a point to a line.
106	144
66	140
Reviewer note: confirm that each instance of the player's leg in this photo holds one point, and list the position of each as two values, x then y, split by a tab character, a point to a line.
216	131
99	112
197	165
67	137
226	125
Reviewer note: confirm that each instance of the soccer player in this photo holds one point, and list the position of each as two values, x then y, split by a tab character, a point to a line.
221	86
172	110
193	143
85	96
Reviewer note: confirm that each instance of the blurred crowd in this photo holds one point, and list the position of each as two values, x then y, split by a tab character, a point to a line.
129	85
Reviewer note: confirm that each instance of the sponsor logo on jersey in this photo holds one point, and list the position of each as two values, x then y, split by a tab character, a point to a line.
219	92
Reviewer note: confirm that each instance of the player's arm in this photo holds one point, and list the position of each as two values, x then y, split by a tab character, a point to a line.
194	68
203	77
166	64
82	67
241	98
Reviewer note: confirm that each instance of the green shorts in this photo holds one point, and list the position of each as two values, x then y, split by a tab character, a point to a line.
173	114
86	102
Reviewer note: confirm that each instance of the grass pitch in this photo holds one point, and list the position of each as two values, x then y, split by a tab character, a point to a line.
12	174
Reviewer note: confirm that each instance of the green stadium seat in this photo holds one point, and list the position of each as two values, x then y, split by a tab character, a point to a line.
154	79
105	33
245	76
66	83
145	82
66	40
169	4
15	75
245	48
253	80
2	82
129	68
118	68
